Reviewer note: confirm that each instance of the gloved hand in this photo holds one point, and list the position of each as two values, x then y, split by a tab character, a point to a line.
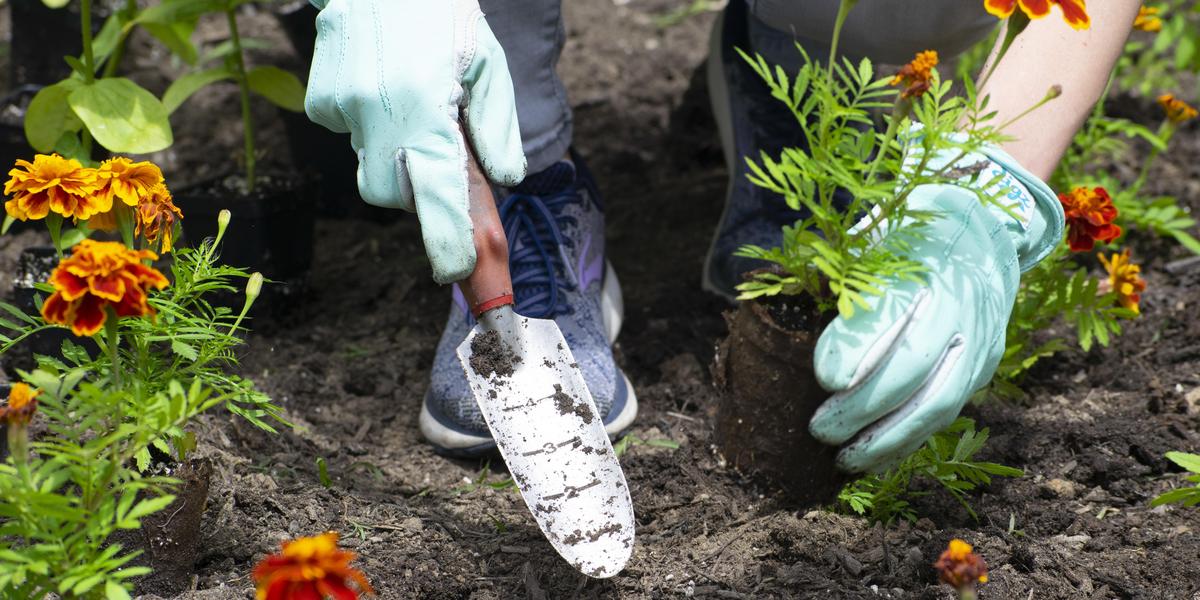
903	370
396	74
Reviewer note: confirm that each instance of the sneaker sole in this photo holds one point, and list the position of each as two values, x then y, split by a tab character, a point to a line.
450	442
718	94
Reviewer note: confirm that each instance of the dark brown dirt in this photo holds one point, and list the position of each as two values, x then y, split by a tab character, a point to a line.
490	355
567	404
350	364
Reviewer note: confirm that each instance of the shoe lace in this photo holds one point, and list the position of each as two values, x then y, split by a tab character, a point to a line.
534	225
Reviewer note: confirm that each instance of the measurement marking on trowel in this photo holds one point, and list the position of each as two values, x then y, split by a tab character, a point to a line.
531	403
551	447
572	491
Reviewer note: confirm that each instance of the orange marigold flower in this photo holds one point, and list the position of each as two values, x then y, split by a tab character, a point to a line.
156	217
309	568
127	181
916	75
1125	279
1177	110
1147	19
96	276
1074	11
1090	214
22	403
53	183
960	567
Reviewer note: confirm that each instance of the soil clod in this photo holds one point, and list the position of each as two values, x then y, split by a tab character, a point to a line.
567	405
489	354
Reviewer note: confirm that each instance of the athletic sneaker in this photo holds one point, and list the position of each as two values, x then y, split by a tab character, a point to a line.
750	122
555	226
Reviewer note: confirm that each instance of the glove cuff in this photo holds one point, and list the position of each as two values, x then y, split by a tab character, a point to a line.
320	4
1041	227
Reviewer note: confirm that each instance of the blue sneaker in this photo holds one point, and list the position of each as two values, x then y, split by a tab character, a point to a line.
555	226
750	122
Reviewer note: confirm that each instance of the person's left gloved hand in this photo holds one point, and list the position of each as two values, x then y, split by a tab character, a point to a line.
903	370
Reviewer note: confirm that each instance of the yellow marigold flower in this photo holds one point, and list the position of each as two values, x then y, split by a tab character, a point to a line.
22	403
917	75
96	276
1074	11
959	566
53	183
156	218
129	181
1147	19
1125	279
1177	110
310	568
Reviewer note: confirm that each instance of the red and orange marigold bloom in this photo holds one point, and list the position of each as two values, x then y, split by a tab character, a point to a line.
97	276
131	183
156	218
916	76
1090	213
1125	279
959	567
22	403
1147	19
1074	11
1177	110
310	568
53	183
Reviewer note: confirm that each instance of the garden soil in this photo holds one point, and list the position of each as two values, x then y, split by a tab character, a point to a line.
349	361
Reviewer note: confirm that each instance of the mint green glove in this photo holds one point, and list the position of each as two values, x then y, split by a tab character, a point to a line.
903	370
396	75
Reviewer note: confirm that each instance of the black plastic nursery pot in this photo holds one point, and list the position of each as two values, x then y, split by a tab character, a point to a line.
42	36
768	394
272	228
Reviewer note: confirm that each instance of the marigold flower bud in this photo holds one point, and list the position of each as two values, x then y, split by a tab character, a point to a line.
254	286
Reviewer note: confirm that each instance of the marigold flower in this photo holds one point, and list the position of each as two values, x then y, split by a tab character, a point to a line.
1125	279
1090	214
917	75
309	568
959	567
22	403
1177	110
96	276
156	217
1147	19
1074	11
53	183
127	181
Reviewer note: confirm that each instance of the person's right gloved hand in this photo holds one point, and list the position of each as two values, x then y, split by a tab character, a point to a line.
396	75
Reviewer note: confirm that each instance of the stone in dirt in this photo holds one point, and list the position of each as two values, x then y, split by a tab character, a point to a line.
567	405
489	354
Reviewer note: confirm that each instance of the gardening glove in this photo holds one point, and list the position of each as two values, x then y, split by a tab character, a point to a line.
903	370
396	75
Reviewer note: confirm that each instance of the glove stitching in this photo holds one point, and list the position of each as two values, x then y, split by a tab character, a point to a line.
337	94
318	68
384	98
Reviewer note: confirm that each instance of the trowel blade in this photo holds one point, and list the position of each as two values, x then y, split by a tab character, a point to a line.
552	438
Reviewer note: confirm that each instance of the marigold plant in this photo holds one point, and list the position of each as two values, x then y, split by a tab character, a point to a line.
101	280
1148	20
917	75
22	403
1090	214
1124	280
310	568
1177	110
1074	12
53	184
960	568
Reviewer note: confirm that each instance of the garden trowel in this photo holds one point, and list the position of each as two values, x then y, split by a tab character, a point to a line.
533	396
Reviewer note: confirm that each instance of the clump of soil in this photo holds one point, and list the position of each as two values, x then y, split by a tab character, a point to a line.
489	354
567	405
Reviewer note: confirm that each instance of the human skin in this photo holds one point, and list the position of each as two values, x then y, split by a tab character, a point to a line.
1049	52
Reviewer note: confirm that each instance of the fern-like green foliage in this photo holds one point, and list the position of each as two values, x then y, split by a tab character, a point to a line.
1187	496
60	505
946	459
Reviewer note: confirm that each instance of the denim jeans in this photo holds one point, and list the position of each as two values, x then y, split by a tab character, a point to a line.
532	34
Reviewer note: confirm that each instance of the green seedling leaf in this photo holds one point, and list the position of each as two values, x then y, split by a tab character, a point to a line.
175	11
177	37
280	87
49	116
122	116
56	3
184	87
1191	462
323	473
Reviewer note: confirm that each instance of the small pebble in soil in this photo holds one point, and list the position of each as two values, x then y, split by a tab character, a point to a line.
489	354
567	405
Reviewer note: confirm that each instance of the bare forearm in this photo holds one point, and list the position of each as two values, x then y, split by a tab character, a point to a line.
1051	53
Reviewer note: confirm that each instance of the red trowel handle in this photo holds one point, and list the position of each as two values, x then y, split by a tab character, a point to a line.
490	285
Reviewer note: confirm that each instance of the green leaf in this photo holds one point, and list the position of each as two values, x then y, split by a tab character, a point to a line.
50	116
280	87
1173	496
56	3
115	591
184	350
177	37
175	11
1190	462
184	87
122	116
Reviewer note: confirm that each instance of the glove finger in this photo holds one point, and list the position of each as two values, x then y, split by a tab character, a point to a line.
491	111
851	350
320	99
439	184
930	409
914	359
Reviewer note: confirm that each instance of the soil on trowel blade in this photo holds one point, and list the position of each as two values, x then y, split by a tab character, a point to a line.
567	405
489	354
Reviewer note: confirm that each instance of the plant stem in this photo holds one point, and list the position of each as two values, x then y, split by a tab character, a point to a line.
1015	25
1165	132
244	84
89	63
114	60
844	8
899	112
111	343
